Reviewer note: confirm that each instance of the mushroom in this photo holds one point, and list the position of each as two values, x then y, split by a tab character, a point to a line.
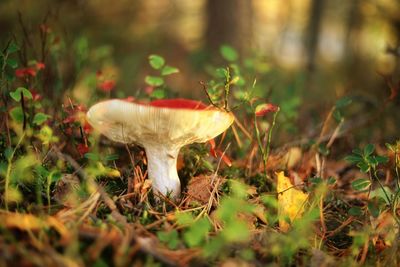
161	127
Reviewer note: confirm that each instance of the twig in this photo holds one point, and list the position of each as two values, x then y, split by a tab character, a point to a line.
144	244
207	94
23	110
241	127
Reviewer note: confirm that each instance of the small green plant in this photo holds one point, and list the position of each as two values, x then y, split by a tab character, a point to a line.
157	81
368	162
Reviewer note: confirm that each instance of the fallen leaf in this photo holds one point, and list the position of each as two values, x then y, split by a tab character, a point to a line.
290	201
199	189
30	222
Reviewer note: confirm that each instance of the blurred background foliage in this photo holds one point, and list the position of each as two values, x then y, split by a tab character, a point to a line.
304	54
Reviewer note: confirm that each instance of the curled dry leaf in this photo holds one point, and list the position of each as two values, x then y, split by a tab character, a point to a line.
385	231
199	189
290	201
66	189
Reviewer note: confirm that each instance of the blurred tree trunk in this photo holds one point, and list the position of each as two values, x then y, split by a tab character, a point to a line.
229	22
353	29
313	32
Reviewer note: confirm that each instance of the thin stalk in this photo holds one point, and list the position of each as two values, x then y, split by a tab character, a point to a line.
396	168
260	145
3	67
391	203
227	88
8	173
265	150
268	145
207	94
23	110
49	178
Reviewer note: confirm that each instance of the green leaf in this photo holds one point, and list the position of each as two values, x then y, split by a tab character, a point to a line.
391	147
17	114
381	159
208	165
357	151
170	238
168	70
228	53
92	156
323	149
12	48
40	118
376	205
355	211
184	218
337	115
46	135
16	95
354	159
364	167
55	176
197	232
8	153
111	157
158	94
316	180
369	149
331	180
380	193
236	231
270	201
221	73
213	247
42	171
156	61
343	102
13	63
154	80
361	184
3	168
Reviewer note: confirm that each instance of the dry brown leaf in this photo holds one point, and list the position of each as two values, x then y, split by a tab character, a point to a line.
199	189
65	191
290	201
260	212
30	222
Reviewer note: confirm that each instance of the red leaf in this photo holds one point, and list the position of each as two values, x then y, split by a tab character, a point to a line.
148	90
45	28
40	65
87	128
30	72
69	119
224	158
263	109
20	73
35	95
107	85
130	99
212	148
82	149
23	72
218	153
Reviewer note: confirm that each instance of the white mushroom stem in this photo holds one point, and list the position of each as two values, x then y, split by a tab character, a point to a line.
161	168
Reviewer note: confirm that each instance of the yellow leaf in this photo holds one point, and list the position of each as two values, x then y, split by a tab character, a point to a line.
30	222
290	201
13	195
113	173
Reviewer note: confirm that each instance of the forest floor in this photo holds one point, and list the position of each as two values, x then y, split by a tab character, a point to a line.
71	197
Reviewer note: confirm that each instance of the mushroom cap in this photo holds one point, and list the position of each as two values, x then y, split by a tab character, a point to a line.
173	122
